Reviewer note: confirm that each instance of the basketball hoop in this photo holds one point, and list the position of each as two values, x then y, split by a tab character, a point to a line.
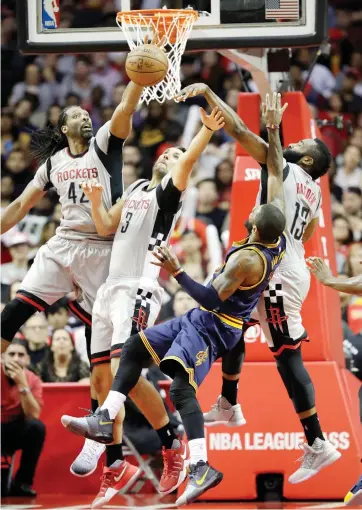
171	28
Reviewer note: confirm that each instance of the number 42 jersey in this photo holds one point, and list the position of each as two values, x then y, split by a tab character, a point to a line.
303	200
101	161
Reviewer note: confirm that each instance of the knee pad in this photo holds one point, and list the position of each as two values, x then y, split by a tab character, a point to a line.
233	360
134	350
14	315
182	393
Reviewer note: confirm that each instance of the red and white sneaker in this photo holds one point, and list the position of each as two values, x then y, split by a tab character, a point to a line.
117	478
175	464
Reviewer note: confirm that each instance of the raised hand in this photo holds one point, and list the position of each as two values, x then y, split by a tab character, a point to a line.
273	110
319	268
196	89
93	190
214	121
166	259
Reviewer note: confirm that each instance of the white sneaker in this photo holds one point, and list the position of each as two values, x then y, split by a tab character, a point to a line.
316	457
86	462
223	413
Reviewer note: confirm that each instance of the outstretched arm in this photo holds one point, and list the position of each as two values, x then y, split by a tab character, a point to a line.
16	211
234	126
342	284
106	222
182	170
272	113
121	121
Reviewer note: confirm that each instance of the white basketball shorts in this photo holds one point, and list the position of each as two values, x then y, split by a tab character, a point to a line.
60	266
123	307
279	308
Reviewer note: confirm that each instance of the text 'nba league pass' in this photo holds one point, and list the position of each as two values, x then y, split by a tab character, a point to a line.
50	14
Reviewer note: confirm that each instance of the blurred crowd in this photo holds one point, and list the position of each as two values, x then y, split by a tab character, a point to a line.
36	88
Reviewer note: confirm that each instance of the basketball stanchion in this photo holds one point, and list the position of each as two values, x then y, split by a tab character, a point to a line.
168	27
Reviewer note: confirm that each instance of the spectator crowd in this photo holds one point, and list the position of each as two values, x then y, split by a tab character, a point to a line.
35	90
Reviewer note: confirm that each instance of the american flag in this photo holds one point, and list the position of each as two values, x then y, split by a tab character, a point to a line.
282	9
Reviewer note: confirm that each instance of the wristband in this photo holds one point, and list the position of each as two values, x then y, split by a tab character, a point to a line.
24	391
177	272
273	127
209	128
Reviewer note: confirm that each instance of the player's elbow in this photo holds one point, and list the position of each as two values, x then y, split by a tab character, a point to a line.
105	230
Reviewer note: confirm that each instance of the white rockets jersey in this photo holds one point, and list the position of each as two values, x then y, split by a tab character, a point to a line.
65	172
148	218
303	198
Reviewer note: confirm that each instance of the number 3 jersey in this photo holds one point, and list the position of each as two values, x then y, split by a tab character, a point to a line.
148	218
303	200
64	172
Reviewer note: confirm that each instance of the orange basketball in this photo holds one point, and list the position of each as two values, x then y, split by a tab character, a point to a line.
146	65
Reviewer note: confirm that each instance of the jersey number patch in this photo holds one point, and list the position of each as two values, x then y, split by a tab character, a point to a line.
299	222
73	196
128	218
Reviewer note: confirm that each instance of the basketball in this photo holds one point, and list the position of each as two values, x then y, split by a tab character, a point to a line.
147	65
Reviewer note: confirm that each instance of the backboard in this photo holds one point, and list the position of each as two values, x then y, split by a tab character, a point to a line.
43	25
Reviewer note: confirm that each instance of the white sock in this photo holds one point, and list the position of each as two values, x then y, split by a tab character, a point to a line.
198	450
113	403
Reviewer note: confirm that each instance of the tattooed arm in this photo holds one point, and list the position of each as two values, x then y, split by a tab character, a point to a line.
244	267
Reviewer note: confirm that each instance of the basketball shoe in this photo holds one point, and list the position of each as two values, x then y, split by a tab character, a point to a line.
202	477
354	496
223	413
316	457
117	478
86	462
175	463
98	426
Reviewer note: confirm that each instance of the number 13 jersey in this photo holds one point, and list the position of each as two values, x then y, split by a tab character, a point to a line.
303	200
64	172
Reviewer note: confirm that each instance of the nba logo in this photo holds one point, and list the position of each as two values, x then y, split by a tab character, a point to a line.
50	14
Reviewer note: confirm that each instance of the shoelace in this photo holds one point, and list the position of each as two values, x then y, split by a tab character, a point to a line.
169	463
106	479
308	457
92	449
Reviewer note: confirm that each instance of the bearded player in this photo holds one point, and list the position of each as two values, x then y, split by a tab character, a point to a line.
131	298
77	256
279	309
186	347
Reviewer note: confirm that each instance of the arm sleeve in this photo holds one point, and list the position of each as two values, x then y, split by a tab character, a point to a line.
169	198
42	177
109	149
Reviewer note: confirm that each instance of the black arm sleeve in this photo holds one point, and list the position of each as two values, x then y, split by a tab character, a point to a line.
168	197
113	164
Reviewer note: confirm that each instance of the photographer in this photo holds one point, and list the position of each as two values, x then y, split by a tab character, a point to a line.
21	403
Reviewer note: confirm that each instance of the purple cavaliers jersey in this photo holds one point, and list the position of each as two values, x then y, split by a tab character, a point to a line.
238	307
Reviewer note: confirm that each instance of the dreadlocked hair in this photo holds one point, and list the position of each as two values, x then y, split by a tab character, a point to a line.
48	141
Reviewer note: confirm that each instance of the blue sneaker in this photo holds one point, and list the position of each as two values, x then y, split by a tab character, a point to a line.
354	496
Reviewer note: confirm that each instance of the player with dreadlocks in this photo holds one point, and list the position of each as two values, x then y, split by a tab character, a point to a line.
77	257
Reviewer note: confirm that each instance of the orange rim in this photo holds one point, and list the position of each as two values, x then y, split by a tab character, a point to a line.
155	14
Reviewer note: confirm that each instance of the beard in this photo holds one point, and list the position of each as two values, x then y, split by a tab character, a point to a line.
291	155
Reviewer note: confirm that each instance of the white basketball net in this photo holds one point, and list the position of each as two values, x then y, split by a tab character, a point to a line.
174	29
